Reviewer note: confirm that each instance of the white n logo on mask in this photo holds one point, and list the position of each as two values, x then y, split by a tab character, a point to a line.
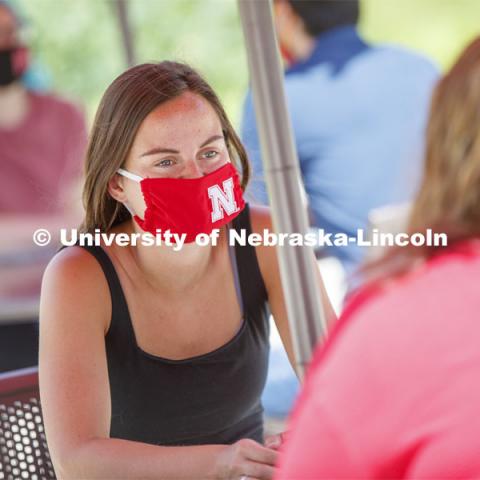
222	200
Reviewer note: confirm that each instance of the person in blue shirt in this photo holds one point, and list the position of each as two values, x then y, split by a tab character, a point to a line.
358	113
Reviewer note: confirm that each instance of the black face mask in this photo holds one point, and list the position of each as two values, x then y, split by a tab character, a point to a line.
12	65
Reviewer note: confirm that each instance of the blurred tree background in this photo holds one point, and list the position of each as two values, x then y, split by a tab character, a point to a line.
79	42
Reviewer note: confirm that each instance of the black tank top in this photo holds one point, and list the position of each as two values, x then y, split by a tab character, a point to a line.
208	399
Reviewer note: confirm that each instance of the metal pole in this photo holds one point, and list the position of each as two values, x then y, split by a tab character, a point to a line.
280	161
120	7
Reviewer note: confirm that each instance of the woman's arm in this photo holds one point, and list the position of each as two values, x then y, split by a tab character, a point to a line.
108	458
268	261
75	395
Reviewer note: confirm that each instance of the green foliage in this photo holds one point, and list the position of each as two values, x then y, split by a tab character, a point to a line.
438	28
80	43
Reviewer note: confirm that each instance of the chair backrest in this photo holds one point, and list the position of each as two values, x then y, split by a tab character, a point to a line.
23	446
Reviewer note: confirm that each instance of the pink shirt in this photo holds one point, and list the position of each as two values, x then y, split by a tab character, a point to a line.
395	392
40	158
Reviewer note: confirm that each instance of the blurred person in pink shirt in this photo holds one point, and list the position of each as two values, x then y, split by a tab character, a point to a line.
42	137
42	142
394	392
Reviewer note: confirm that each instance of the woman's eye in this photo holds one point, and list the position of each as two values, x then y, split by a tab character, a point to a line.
211	154
167	162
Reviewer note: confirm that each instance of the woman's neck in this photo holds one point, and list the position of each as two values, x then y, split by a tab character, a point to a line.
169	269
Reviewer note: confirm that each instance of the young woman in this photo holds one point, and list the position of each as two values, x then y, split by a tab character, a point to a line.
153	358
395	391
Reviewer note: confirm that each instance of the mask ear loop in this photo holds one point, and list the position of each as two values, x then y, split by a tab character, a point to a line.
131	176
129	209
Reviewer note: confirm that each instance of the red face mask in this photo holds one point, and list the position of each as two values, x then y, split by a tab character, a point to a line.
190	206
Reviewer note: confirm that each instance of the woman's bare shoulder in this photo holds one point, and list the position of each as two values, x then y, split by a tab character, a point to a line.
260	218
74	263
75	280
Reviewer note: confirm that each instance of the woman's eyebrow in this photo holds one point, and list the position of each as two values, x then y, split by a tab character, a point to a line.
156	150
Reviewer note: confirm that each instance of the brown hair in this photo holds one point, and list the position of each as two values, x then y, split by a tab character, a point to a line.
124	105
449	197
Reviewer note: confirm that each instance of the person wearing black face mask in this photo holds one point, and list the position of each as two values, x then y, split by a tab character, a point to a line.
42	141
13	62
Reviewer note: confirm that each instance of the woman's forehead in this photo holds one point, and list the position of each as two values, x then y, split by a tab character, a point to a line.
178	121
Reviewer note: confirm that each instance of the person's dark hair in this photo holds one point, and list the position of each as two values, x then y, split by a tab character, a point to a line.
322	15
449	197
124	106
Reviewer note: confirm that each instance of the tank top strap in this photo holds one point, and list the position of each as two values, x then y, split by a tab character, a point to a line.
120	312
236	277
252	286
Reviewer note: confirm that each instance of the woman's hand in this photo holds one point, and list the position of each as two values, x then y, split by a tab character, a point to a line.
276	440
246	459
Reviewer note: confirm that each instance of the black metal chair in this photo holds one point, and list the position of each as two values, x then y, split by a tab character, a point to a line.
23	446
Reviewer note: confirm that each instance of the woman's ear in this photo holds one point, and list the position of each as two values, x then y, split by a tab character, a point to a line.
116	188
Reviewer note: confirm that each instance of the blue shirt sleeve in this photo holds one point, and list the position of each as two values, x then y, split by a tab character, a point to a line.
256	190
